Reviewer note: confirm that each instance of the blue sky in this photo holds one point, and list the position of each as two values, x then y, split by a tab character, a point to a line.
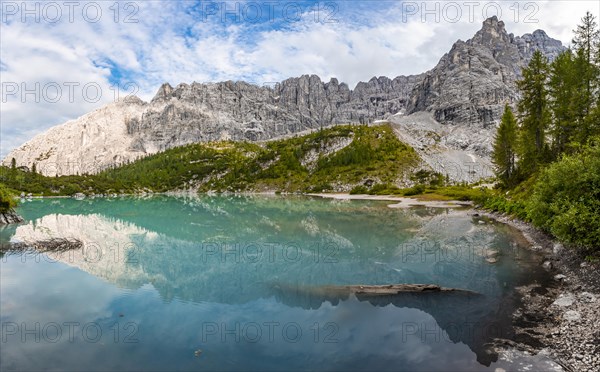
134	47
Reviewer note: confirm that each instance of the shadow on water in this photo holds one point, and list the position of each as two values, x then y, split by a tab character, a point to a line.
464	317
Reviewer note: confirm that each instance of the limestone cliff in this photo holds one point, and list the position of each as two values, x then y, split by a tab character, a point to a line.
468	89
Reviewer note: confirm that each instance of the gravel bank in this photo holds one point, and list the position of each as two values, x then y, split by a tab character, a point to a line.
560	320
400	201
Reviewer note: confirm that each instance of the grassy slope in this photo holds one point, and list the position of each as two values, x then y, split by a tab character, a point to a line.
373	153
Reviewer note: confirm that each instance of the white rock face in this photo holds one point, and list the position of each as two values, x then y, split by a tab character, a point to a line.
311	159
572	315
84	145
473	82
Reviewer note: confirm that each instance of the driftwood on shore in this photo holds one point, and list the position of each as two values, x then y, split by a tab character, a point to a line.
10	217
42	246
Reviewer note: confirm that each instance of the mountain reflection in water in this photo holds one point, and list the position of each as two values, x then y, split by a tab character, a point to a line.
236	259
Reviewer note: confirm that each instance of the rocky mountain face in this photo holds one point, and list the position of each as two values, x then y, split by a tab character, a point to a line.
241	111
87	144
126	130
454	110
471	84
468	87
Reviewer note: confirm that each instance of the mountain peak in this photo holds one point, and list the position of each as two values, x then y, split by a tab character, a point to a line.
491	32
540	33
472	83
493	22
164	92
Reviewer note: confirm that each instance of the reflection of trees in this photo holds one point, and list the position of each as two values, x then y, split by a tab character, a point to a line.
252	218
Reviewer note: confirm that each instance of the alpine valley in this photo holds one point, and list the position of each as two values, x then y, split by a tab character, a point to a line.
448	115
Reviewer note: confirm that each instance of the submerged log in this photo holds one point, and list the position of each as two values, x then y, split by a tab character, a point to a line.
378	290
42	246
379	293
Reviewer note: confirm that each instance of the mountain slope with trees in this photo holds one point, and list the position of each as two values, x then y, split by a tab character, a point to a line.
333	159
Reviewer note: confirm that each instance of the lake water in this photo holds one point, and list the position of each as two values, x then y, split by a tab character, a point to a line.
228	283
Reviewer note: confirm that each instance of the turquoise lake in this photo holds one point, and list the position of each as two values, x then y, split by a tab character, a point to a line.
226	283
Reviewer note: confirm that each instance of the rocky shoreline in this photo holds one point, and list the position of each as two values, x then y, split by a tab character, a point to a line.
559	320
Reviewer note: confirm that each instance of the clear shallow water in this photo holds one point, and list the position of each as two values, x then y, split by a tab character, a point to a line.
225	283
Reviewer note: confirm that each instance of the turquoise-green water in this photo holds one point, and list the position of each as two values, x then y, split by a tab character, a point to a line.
225	283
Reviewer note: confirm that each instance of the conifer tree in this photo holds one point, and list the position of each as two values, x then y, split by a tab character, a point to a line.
533	114
505	144
585	98
562	87
586	43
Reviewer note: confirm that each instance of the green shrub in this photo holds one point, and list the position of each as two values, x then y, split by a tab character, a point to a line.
503	205
566	199
7	199
379	188
415	190
430	178
360	189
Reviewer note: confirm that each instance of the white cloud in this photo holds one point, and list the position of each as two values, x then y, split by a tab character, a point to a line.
179	42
